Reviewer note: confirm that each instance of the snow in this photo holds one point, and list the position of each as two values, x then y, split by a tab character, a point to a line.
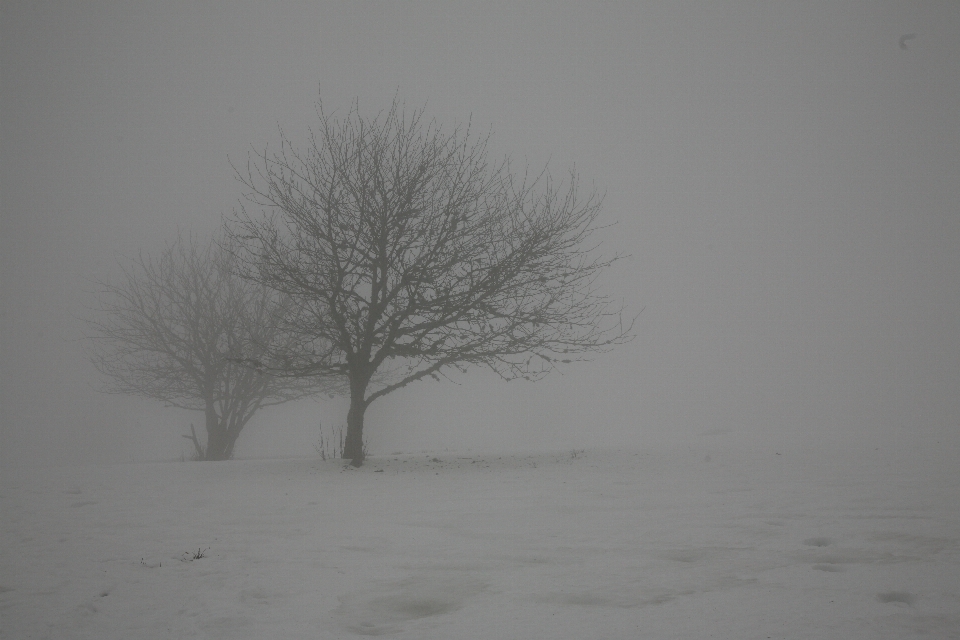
672	543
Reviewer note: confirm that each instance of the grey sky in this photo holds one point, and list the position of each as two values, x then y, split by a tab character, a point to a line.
784	174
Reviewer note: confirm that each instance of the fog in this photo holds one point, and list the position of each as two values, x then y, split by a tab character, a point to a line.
784	179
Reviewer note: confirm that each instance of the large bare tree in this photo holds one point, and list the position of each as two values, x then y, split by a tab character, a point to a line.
183	328
411	253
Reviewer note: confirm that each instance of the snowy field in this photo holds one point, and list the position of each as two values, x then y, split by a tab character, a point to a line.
681	543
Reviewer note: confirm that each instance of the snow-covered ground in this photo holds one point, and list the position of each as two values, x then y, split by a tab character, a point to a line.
680	543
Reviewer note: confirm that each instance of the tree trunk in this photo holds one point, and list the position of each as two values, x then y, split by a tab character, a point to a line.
219	445
353	445
229	440
219	442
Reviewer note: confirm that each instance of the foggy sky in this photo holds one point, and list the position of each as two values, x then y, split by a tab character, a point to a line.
784	176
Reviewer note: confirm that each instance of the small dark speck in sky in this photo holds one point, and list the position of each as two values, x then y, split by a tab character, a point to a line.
903	40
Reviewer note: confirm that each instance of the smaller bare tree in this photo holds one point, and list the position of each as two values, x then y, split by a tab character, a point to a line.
183	328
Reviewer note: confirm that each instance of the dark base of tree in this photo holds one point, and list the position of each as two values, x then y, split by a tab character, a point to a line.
219	453
219	446
353	449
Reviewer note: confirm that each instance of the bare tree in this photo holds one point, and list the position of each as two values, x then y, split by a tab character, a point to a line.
409	250
176	329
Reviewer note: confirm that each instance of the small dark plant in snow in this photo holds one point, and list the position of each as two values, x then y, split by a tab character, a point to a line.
190	556
577	453
331	446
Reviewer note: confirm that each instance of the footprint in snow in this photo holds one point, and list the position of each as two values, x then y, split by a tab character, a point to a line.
897	596
817	542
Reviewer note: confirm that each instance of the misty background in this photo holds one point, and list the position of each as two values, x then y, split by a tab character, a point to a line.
785	177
